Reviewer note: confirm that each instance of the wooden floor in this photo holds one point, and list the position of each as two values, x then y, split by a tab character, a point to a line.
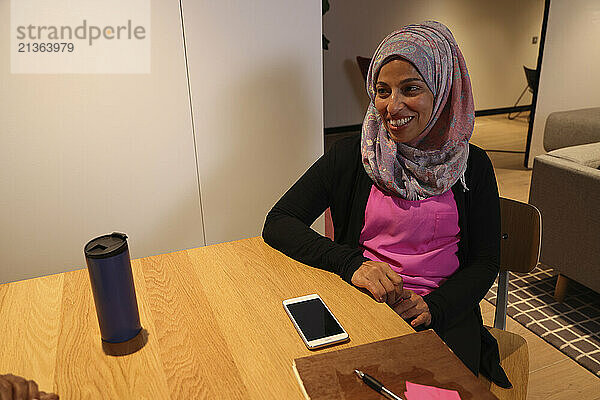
504	140
552	375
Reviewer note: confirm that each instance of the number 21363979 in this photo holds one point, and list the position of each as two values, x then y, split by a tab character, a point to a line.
35	47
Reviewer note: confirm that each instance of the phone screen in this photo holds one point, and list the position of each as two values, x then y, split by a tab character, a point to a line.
314	319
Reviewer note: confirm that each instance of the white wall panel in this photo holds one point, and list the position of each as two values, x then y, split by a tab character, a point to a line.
83	155
255	71
569	75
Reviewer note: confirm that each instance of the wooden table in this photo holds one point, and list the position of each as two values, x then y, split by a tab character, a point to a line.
216	327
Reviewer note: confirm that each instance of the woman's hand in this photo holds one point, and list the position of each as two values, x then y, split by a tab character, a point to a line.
413	306
16	388
380	279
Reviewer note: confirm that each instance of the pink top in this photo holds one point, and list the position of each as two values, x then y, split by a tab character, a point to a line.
418	239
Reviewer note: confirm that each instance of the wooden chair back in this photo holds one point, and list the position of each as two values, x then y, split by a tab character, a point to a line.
520	239
520	236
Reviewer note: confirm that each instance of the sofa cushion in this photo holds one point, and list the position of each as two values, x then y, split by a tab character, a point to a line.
585	154
572	128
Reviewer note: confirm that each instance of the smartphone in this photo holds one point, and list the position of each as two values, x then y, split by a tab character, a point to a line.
314	321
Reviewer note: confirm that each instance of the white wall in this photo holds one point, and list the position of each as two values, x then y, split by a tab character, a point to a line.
256	74
83	155
569	77
494	36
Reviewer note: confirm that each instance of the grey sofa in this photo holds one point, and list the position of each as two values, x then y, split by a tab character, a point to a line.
565	187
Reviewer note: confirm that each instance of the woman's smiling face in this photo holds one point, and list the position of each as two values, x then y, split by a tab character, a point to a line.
403	100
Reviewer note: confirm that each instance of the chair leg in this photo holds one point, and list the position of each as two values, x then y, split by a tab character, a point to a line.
562	285
501	300
519	99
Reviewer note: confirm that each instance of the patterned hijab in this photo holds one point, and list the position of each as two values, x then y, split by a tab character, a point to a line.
433	162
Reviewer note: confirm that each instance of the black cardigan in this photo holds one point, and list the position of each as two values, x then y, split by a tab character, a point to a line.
338	180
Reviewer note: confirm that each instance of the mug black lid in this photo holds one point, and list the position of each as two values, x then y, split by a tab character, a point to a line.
106	245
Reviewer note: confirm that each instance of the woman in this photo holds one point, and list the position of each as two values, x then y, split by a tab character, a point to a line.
415	207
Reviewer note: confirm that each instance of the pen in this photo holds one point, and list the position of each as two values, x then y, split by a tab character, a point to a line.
376	385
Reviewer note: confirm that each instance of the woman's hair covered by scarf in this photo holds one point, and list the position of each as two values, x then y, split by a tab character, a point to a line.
433	162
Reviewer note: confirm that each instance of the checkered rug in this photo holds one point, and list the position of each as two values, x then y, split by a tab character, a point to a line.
573	327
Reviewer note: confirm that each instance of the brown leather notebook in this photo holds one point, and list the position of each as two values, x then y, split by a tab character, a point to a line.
421	358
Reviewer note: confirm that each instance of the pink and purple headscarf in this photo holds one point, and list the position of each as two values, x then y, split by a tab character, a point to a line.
437	158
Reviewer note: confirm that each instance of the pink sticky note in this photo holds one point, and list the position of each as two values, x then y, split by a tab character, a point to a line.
415	391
